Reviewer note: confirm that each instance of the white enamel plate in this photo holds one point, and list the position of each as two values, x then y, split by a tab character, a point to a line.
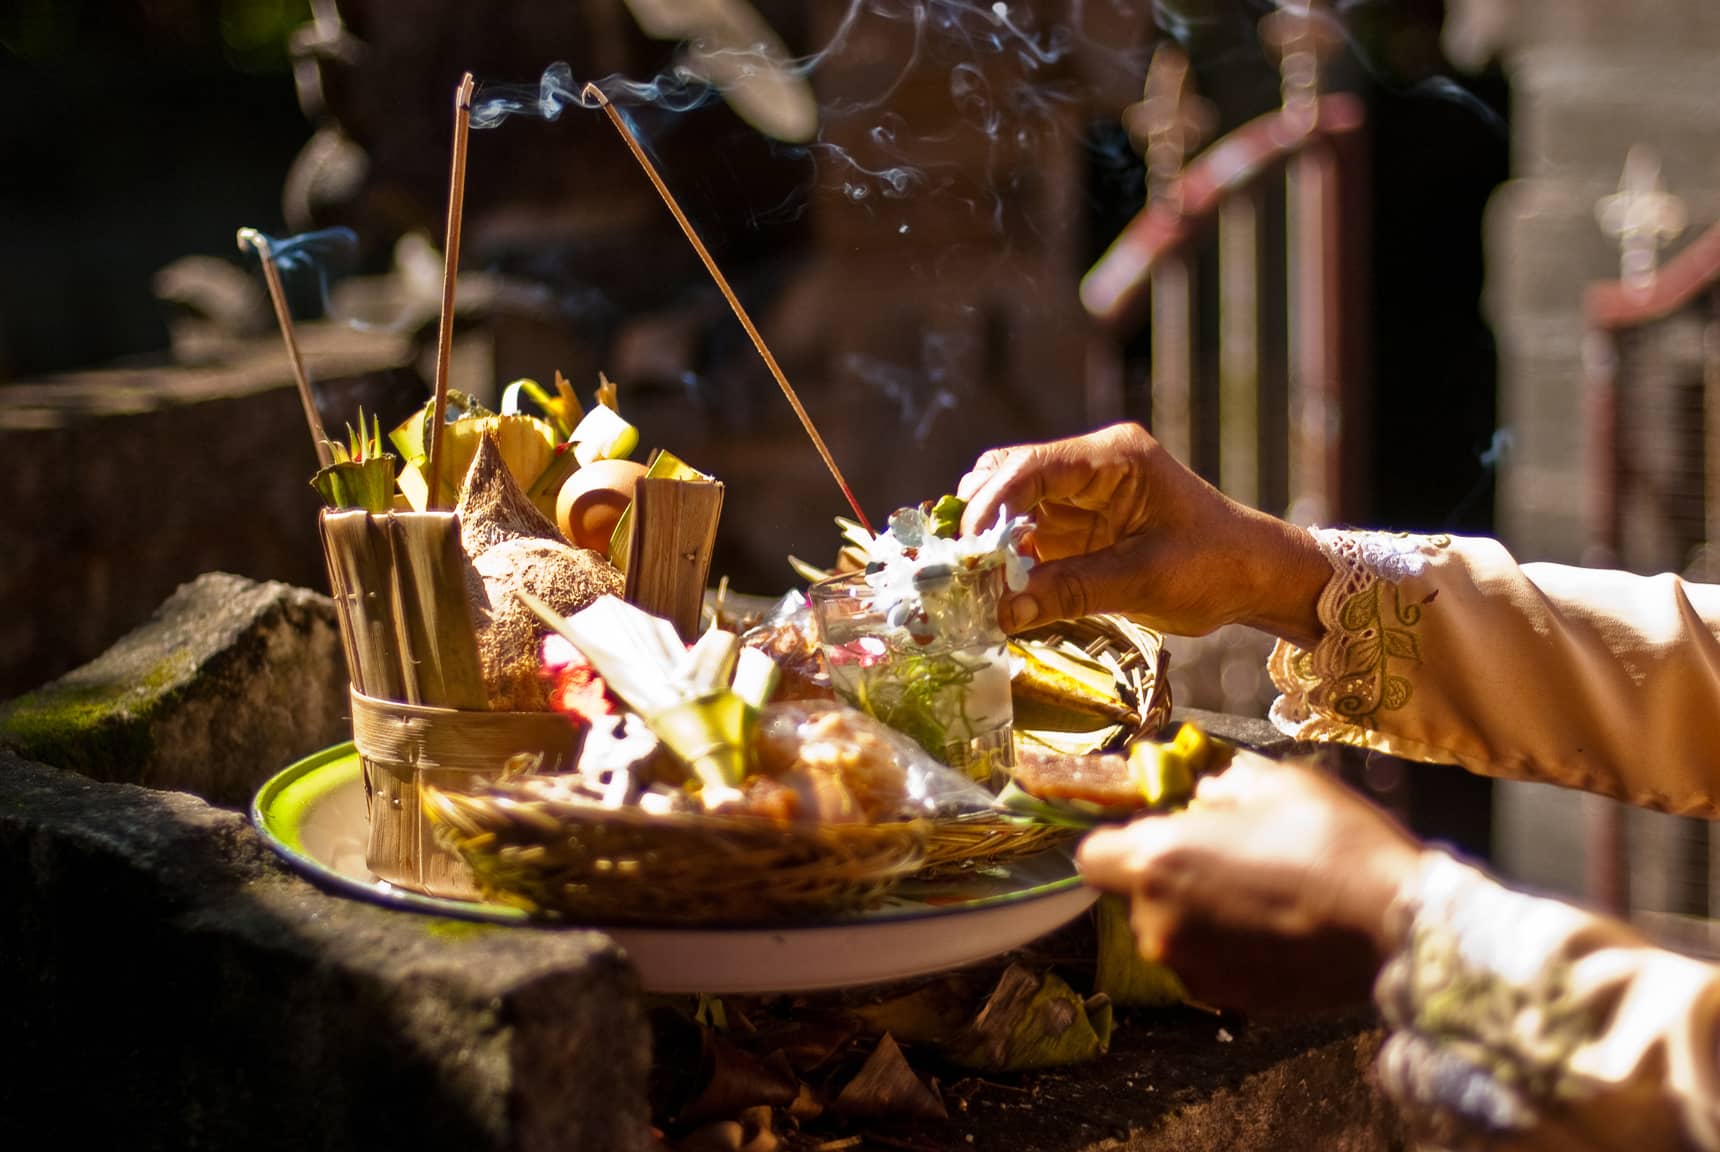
312	814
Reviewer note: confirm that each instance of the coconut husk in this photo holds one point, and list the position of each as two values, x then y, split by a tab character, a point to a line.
494	508
510	636
514	547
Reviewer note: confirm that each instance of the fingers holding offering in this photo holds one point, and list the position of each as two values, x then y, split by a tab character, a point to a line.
1270	890
1143	536
1083	472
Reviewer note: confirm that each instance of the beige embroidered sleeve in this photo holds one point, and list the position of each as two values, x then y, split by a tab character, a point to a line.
1445	649
1524	1023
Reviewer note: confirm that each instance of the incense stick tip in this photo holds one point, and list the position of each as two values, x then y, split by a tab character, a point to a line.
592	96
253	239
463	94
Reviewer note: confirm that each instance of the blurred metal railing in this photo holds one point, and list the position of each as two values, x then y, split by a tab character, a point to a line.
1289	438
1652	361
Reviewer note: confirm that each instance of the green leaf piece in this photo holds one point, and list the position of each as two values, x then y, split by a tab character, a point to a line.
366	484
1122	973
946	516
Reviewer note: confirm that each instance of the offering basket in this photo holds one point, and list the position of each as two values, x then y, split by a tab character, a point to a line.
1140	655
420	715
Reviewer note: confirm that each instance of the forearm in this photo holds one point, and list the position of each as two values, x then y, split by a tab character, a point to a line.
1286	572
1525	1022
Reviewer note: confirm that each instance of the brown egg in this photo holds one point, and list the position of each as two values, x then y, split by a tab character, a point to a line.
592	500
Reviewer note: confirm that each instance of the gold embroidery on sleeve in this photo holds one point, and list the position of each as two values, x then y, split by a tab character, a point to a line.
1358	670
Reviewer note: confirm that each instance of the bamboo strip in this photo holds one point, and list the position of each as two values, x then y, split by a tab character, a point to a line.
337	590
361	569
439	656
674	534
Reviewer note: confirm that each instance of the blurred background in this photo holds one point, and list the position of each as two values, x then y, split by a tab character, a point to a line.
1343	257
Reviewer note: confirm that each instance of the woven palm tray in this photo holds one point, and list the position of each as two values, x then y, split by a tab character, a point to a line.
560	858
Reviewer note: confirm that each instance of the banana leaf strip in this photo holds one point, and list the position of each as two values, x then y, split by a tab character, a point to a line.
366	484
1120	971
663	466
602	435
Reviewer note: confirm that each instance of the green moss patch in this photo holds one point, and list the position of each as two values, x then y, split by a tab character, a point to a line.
82	722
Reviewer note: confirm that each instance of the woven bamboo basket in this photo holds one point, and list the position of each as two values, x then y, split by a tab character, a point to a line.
1139	653
419	706
560	858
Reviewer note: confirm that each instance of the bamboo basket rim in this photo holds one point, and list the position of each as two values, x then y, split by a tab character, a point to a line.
633	816
981	839
431	736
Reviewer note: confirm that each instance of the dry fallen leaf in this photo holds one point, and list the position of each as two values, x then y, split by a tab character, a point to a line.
885	1088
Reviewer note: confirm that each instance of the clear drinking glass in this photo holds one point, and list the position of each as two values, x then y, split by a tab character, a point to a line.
929	661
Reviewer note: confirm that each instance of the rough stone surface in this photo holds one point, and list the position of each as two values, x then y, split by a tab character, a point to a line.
230	681
1188	1082
171	985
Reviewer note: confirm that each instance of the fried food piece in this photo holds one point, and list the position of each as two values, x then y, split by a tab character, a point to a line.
1150	776
794	646
839	765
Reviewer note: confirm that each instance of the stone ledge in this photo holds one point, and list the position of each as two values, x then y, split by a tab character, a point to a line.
174	986
1185	1082
228	682
123	484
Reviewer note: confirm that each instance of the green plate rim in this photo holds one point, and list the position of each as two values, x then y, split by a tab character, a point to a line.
279	807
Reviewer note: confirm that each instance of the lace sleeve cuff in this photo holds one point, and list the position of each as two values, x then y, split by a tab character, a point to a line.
1370	610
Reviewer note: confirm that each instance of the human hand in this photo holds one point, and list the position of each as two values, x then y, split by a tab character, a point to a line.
1122	526
1271	890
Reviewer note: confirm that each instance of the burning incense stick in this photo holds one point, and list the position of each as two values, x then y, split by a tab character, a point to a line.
259	243
450	271
593	94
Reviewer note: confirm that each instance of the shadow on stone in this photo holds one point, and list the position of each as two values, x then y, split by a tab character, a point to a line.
173	986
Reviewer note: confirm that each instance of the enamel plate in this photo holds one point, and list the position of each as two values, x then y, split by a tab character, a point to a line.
312	814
